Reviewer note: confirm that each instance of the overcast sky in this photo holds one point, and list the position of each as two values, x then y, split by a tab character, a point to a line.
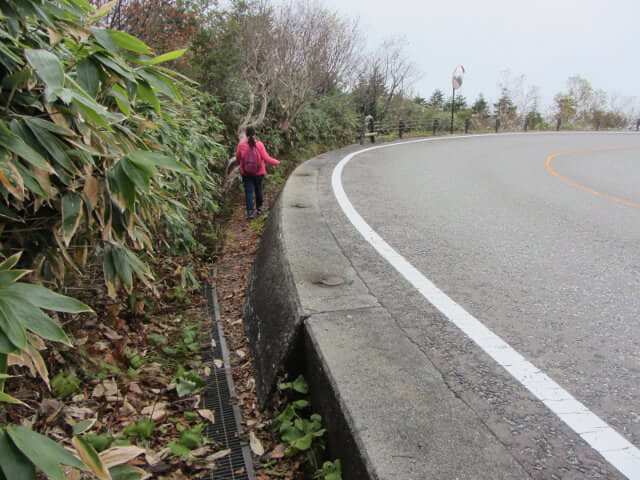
546	40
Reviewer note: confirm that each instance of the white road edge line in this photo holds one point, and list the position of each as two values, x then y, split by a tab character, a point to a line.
616	449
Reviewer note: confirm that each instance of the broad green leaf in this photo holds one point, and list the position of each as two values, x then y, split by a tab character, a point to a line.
49	69
45	454
137	175
9	399
88	76
121	188
128	42
14	464
90	457
71	215
10	324
15	144
82	427
303	443
6	346
123	267
109	268
160	82
168	56
31	317
51	127
145	93
44	298
159	160
54	146
11	261
91	110
104	39
119	68
120	95
127	472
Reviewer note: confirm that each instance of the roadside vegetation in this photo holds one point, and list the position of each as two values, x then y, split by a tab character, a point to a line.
118	122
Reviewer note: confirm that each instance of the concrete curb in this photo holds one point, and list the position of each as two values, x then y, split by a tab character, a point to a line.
388	411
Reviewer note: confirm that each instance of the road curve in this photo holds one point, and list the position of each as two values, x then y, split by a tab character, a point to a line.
534	237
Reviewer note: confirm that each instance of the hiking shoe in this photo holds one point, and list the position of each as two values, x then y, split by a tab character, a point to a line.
260	211
250	215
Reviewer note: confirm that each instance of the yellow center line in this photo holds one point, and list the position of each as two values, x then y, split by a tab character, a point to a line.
587	189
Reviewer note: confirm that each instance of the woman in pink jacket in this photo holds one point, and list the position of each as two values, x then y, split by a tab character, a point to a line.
251	156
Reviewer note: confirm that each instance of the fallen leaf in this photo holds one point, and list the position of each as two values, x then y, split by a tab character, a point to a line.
218	363
256	445
278	452
157	411
218	455
208	414
119	455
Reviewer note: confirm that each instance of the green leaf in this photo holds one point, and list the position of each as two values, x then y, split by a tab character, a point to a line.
81	427
145	159
71	215
43	452
160	82
10	262
121	188
120	95
300	385
91	458
88	76
123	267
53	145
145	92
127	472
104	39
6	346
11	326
31	317
303	443
128	42
49	69
168	56
15	144
7	277
139	177
14	464
44	298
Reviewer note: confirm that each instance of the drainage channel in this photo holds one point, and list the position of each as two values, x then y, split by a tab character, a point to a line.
226	430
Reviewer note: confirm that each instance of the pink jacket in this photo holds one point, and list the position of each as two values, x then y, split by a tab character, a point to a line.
263	156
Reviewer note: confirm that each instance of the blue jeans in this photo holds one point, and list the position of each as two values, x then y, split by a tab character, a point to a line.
251	184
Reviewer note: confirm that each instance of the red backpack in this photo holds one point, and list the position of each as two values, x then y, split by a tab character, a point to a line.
250	164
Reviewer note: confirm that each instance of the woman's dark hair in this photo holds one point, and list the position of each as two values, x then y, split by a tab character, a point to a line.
251	132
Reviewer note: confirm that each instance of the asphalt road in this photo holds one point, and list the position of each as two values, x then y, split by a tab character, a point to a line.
537	236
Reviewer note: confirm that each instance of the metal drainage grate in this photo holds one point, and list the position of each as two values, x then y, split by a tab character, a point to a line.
226	430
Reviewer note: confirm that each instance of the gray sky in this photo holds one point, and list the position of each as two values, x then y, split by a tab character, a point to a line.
546	40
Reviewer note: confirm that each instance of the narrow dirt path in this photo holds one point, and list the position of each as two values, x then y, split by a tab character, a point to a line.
242	238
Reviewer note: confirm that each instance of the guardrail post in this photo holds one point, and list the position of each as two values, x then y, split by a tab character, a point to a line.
526	124
368	123
638	125
497	124
467	123
597	124
558	124
400	127
436	124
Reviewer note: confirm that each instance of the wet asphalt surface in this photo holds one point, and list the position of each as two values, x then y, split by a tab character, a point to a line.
550	264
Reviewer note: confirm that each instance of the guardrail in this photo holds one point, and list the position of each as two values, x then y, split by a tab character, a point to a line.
372	128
